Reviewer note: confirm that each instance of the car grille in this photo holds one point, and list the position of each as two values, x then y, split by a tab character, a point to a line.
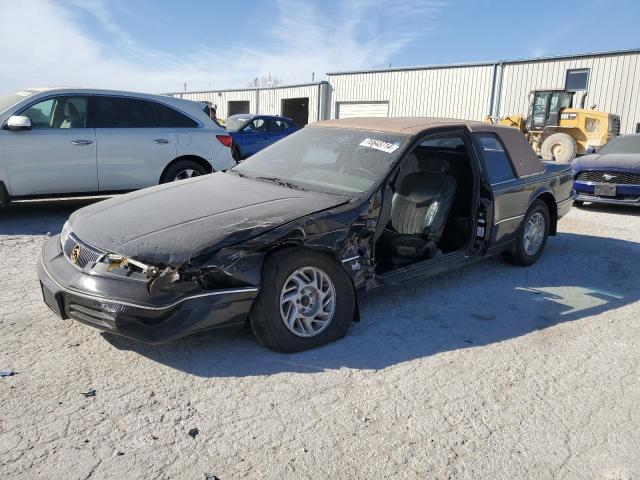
617	178
86	254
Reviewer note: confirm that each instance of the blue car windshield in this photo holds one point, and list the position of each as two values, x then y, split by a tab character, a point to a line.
236	122
626	144
326	159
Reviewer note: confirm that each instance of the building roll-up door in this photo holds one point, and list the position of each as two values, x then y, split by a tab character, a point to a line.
357	109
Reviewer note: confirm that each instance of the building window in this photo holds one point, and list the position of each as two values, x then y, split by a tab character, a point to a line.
577	79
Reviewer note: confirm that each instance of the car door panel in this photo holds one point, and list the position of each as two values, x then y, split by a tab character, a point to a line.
132	158
58	155
132	151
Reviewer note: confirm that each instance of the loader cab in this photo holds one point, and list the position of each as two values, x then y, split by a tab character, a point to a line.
546	106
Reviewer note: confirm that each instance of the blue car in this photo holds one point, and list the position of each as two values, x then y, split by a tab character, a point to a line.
612	175
251	133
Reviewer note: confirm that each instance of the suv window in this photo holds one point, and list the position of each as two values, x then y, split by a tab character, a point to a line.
119	112
496	160
276	125
169	117
58	112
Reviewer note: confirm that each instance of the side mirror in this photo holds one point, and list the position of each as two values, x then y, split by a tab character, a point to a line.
248	129
19	122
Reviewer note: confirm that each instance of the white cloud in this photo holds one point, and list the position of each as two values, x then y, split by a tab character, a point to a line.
45	43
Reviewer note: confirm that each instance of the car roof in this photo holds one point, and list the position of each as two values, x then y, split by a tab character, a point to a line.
100	91
406	125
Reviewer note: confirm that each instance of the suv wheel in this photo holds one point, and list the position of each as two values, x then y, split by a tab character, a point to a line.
307	300
182	170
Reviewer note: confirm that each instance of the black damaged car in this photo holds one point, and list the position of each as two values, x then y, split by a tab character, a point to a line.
290	239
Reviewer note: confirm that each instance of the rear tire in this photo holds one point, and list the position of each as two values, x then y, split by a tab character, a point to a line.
181	170
235	153
531	237
268	314
560	146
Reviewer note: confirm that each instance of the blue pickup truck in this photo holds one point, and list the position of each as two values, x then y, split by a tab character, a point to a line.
251	133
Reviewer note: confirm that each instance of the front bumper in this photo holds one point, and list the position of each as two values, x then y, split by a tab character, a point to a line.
123	306
625	194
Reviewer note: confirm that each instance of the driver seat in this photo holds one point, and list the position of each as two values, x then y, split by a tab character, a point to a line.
420	207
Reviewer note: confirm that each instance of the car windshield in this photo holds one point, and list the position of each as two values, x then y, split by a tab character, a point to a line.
235	122
9	100
625	144
332	160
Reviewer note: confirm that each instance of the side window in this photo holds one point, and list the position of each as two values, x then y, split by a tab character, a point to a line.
58	112
258	125
118	112
496	160
277	125
168	117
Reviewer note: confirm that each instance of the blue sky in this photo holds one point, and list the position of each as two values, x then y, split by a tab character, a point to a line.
160	45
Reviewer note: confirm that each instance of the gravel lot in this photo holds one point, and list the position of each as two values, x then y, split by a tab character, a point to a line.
489	372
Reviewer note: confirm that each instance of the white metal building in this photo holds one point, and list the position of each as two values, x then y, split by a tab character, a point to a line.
468	91
472	91
304	103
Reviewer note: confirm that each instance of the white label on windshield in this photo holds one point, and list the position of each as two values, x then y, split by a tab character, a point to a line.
379	145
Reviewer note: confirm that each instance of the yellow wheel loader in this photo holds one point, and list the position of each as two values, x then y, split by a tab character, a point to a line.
557	131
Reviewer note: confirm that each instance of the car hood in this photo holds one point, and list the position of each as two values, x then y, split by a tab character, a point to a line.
172	223
622	161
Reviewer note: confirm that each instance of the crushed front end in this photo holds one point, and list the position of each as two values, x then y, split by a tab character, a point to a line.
150	303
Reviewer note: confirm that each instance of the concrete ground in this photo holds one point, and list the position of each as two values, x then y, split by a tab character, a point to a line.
491	372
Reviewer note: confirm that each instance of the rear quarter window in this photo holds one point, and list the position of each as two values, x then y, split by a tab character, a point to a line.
171	118
496	160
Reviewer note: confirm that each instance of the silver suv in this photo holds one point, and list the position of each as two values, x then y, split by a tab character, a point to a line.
60	141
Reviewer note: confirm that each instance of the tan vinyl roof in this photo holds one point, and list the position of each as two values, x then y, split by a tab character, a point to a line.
404	125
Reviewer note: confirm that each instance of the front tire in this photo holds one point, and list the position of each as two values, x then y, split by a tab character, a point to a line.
182	170
531	237
307	300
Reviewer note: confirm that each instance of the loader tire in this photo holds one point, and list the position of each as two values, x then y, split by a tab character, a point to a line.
560	146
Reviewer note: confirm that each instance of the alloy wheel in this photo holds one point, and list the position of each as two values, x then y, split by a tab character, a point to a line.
534	233
187	173
307	302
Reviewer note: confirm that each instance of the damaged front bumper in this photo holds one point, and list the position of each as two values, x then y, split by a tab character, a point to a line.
122	305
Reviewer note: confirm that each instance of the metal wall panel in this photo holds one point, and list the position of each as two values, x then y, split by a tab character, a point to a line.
271	99
221	99
458	92
266	101
614	84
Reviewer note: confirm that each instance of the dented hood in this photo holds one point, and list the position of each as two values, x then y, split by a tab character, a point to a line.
174	222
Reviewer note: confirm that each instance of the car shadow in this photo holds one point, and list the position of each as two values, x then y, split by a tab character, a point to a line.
577	277
39	217
611	209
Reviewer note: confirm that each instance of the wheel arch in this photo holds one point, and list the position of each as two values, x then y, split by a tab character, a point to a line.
548	198
194	158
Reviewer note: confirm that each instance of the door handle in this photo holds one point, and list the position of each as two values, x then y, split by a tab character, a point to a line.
81	142
161	141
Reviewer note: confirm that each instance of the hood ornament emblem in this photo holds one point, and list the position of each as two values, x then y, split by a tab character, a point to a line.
75	254
608	176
